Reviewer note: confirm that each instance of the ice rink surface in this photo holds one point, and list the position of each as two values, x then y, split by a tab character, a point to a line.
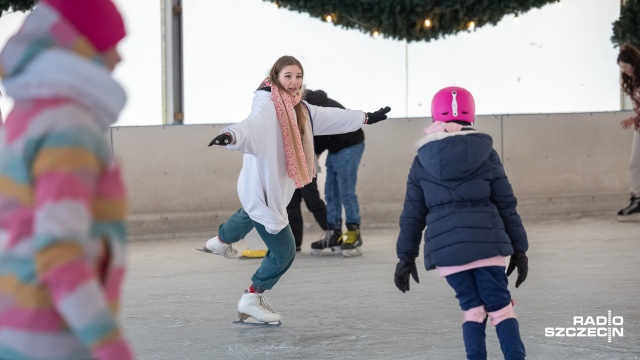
179	303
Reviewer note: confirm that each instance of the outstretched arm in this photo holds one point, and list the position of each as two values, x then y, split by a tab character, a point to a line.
244	136
328	121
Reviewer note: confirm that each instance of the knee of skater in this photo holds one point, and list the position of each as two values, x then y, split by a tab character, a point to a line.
291	255
287	256
502	314
476	314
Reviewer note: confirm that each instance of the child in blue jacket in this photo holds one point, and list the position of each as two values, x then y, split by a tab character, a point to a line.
458	190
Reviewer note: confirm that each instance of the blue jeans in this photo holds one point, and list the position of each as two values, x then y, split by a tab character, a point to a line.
340	186
281	247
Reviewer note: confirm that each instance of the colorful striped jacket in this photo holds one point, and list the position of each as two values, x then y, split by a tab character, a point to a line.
62	199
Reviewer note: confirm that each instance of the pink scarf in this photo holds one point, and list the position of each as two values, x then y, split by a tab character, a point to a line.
439	126
297	168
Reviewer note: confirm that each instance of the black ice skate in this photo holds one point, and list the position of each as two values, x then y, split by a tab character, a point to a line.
331	239
352	243
631	212
253	310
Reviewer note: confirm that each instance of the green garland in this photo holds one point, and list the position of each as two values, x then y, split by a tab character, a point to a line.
626	30
16	5
401	20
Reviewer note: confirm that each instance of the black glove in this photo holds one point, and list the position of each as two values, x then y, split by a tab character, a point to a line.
222	139
520	261
403	270
379	115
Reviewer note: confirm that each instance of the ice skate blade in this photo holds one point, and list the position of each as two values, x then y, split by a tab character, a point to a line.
352	252
629	218
262	324
207	251
336	251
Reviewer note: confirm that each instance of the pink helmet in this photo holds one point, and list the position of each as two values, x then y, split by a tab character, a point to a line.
453	103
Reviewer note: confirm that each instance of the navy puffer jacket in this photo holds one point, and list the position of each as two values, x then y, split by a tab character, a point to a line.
458	189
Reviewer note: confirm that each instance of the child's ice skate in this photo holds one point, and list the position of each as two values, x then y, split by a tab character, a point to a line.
352	241
331	239
254	306
215	246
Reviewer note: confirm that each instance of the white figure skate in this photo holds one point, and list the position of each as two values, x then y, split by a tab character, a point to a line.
254	305
215	246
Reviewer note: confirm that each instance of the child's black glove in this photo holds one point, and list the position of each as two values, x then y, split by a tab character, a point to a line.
374	117
520	261
403	270
222	140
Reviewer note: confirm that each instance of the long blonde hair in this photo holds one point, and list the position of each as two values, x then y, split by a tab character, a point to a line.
280	64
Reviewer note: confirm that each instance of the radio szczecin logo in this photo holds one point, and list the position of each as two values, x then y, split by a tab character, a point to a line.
590	326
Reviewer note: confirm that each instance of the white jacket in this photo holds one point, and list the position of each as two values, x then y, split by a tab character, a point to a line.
264	188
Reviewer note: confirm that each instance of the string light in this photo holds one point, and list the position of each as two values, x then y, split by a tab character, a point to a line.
375	34
427	23
328	18
471	25
275	6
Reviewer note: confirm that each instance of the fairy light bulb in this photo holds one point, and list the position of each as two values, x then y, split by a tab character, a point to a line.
471	25
559	4
427	23
328	18
375	34
516	19
275	6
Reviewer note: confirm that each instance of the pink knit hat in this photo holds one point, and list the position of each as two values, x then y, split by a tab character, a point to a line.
98	20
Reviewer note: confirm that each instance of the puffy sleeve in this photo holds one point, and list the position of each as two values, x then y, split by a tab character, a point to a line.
504	199
249	134
66	168
413	219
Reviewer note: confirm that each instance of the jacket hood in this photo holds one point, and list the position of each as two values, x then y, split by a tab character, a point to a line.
320	98
454	156
316	97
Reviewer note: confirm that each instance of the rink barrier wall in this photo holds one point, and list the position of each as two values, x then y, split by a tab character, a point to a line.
558	164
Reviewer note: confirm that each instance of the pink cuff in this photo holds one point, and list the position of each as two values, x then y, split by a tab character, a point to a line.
118	350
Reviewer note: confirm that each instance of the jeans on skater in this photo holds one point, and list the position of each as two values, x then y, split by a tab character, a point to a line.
486	288
340	185
281	247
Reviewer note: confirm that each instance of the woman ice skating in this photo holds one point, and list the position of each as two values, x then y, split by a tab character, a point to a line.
277	142
458	190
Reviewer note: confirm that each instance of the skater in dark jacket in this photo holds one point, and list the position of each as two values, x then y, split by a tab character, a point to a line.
345	151
458	190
